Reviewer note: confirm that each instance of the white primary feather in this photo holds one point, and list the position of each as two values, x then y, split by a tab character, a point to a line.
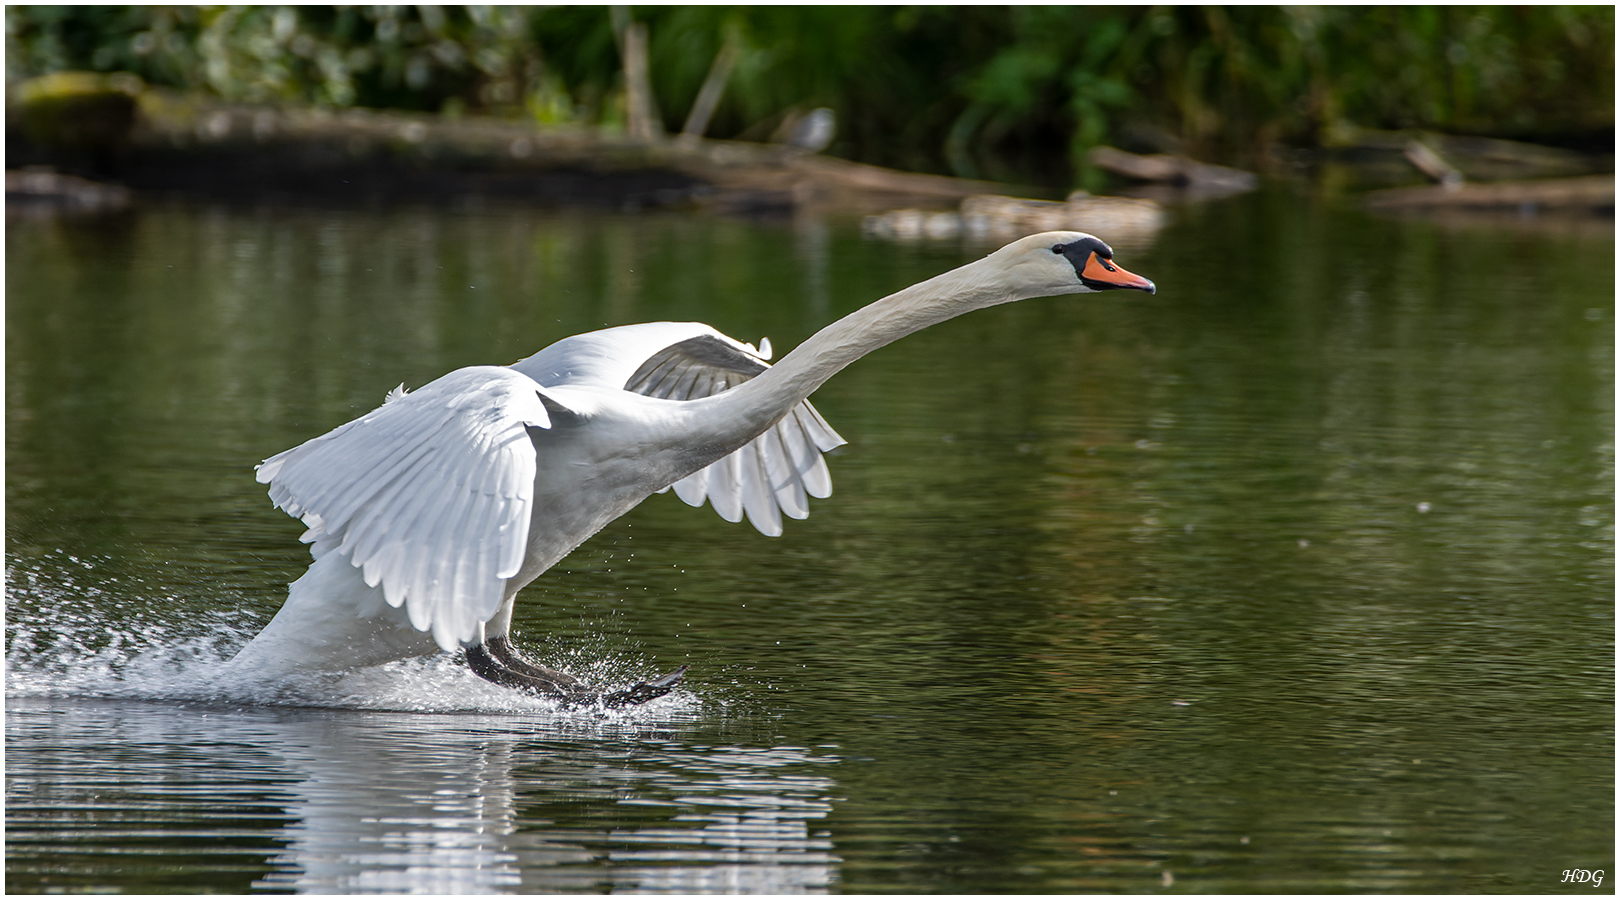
429	495
766	477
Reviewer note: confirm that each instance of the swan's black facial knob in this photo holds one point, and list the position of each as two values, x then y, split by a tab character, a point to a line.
1093	261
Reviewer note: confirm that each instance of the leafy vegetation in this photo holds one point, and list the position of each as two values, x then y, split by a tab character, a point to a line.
1001	92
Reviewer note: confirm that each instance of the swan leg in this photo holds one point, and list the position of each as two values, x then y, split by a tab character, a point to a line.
502	650
497	661
488	663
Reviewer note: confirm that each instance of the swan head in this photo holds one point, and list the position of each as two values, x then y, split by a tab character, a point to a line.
1066	262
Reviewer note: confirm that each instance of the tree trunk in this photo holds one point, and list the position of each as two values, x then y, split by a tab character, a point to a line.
641	112
714	86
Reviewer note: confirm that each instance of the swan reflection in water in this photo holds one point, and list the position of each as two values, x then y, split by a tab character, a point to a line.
425	803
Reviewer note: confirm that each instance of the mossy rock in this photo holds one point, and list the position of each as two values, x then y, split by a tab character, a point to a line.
78	111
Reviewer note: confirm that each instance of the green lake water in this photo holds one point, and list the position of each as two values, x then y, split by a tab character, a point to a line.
1295	577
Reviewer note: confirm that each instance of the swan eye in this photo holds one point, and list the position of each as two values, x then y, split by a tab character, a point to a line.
1058	249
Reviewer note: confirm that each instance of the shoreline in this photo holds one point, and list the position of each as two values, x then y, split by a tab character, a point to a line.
181	143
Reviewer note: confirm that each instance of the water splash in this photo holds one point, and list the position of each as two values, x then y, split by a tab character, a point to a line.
72	631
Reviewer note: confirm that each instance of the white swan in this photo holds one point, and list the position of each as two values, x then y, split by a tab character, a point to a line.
429	514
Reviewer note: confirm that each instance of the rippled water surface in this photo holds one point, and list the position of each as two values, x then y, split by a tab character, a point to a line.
1297	576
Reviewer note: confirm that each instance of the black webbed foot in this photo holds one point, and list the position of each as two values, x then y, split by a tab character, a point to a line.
496	661
647	690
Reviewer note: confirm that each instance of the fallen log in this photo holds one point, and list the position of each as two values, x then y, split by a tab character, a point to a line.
1384	158
1174	170
44	192
1122	221
1432	164
191	143
1590	194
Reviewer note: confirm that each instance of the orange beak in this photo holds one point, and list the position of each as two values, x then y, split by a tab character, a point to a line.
1103	275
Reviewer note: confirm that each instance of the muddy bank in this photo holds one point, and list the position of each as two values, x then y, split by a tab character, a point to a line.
121	133
155	141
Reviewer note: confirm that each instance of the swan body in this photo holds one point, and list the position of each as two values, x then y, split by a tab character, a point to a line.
427	515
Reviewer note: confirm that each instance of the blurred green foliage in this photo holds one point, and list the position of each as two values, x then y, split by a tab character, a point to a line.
1000	92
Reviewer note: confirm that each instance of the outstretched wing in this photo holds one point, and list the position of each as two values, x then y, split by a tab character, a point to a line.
773	474
429	494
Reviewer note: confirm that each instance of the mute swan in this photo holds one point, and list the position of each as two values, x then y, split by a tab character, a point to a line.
428	514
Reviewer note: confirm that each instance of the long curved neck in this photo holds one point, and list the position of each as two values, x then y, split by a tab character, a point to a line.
750	408
883	322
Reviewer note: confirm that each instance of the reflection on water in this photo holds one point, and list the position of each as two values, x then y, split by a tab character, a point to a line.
324	785
322	801
1297	576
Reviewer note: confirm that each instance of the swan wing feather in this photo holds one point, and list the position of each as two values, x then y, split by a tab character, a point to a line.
765	478
429	495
